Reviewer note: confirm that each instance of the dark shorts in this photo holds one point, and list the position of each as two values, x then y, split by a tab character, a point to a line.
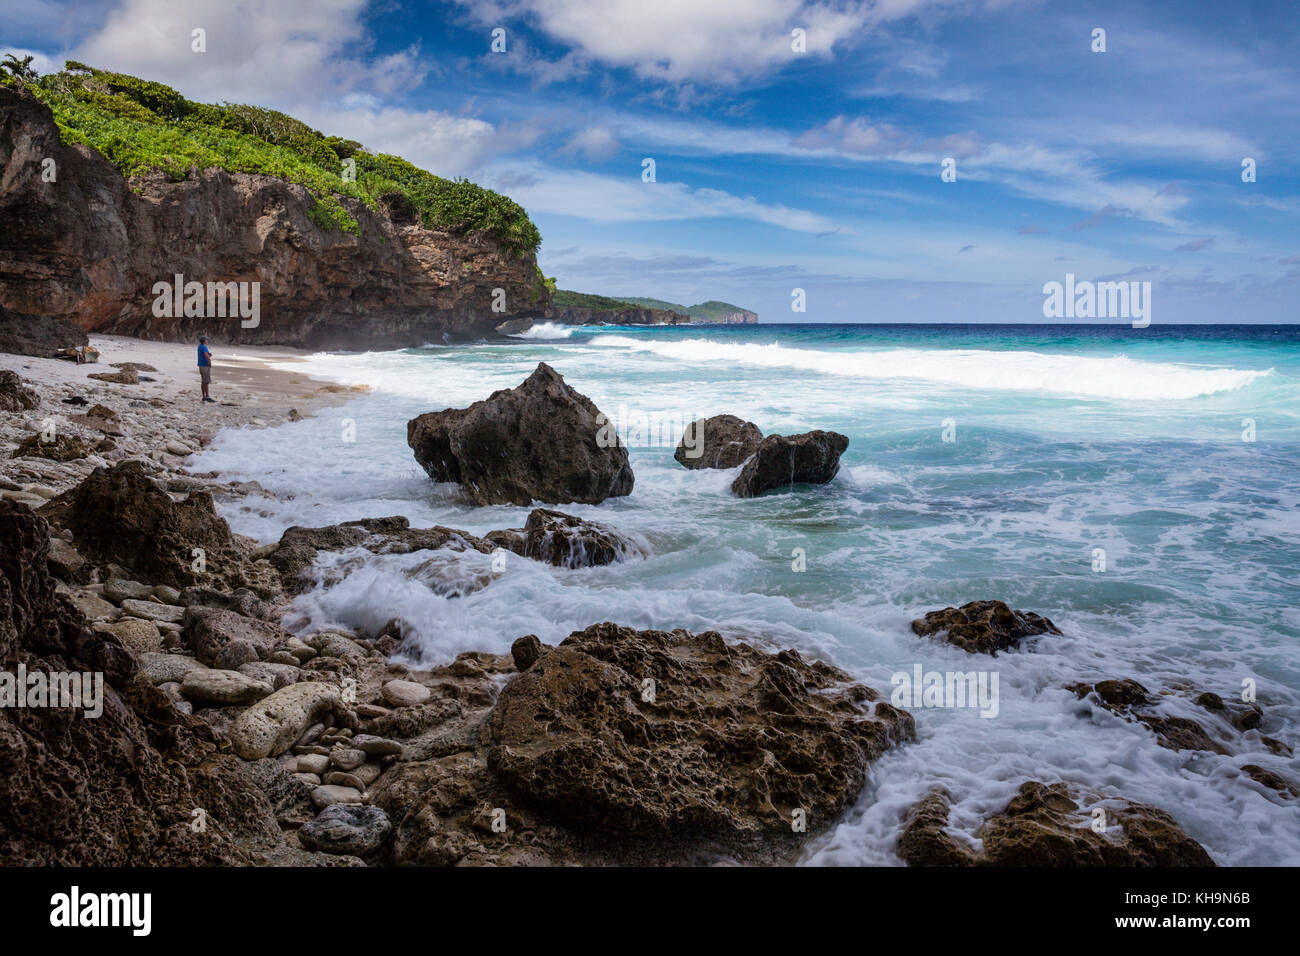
205	374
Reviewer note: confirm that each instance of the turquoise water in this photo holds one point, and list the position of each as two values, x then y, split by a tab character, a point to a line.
984	462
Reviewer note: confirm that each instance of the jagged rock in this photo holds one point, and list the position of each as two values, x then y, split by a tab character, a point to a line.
541	441
723	441
115	790
526	650
126	376
1051	826
783	461
1274	781
342	828
64	447
225	639
746	738
14	395
274	724
66	563
222	687
983	627
120	515
553	537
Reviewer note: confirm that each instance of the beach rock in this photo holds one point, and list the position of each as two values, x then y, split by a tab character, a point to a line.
526	650
374	746
541	441
93	607
66	562
405	693
341	828
226	639
783	461
242	601
153	611
277	675
328	795
1049	826
274	724
723	441
347	758
160	668
118	590
983	627
126	376
64	447
14	395
120	515
139	637
737	731
335	644
116	790
316	764
222	687
555	538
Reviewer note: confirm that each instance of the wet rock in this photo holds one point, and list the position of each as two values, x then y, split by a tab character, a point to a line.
783	461
746	738
335	644
1048	826
1274	781
526	650
222	687
541	441
983	627
242	601
274	724
723	441
555	538
226	639
341	828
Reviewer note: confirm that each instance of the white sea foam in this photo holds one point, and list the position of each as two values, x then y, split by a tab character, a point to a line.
1116	377
545	330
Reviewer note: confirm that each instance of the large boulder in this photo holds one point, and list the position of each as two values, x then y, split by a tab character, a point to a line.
225	640
14	395
983	627
541	441
1051	826
121	515
567	541
783	461
114	790
723	441
274	724
660	732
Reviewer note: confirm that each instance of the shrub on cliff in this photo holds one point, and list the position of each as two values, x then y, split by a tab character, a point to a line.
141	125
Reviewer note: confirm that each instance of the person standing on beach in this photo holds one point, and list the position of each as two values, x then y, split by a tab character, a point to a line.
205	367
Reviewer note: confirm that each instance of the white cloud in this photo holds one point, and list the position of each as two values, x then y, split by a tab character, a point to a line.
594	142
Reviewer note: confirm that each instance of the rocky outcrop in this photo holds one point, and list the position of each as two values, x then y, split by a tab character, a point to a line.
120	515
540	441
14	395
92	249
673	732
632	315
1048	826
114	790
62	447
983	627
568	542
39	335
783	461
723	441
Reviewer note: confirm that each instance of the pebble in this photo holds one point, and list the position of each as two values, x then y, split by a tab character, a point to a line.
328	795
118	590
346	759
223	687
94	607
312	763
372	710
167	594
405	693
150	611
341	779
178	448
368	773
310	779
167	668
376	746
334	644
300	649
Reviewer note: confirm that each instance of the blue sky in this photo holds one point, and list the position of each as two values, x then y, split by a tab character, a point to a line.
778	169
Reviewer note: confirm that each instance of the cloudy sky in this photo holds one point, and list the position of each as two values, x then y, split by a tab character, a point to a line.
779	168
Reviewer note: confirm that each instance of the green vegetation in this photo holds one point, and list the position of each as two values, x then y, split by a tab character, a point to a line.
140	125
711	311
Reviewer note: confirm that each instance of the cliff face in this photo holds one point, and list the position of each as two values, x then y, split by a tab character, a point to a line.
580	315
90	246
734	318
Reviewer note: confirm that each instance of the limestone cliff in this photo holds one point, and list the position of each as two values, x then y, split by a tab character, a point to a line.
581	315
83	243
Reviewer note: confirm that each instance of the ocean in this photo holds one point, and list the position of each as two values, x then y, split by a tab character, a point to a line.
1141	488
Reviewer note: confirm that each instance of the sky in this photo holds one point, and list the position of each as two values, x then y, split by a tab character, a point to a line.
789	160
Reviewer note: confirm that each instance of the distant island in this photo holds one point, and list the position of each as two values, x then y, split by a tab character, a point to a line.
580	308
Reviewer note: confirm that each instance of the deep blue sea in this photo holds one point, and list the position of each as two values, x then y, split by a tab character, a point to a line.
1139	487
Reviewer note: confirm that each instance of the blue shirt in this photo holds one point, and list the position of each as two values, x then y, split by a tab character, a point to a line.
205	356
